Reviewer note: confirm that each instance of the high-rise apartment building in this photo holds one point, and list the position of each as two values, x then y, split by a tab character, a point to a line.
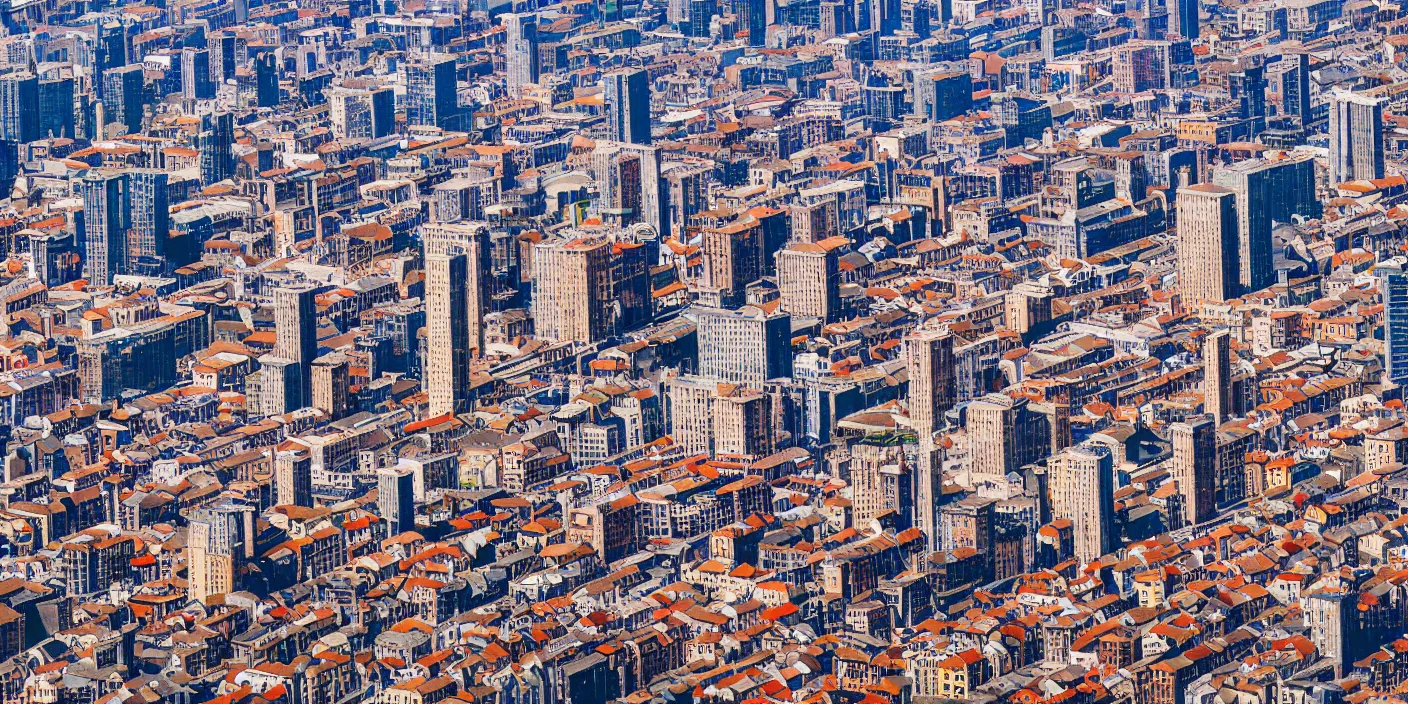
195	74
125	97
1217	376
330	378
627	101
1004	434
447	323
1209	257
431	91
521	54
1194	466
1393	287
929	360
396	499
293	476
1266	191
809	279
1356	137
750	345
221	542
150	221
106	217
1081	480
881	481
586	289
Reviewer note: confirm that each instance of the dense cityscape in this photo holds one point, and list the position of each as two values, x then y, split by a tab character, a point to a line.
704	352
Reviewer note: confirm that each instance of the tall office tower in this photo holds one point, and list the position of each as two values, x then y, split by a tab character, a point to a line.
627	101
471	240
296	337
1209	260
396	498
383	108
942	94
217	142
1393	287
757	11
112	41
19	107
329	385
1356	137
1217	376
431	97
881	481
1267	191
195	74
1194	467
150	221
293	477
222	57
929	360
584	292
1004	434
1142	65
125	97
1248	88
447	372
56	108
1295	86
521	53
266	81
221	543
1081	481
1183	18
744	423
809	279
653	211
106	217
744	346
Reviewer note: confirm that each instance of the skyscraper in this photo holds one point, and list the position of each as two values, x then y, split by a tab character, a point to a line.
195	74
757	18
1194	467
1295	86
1356	137
395	498
217	140
106	217
1217	376
19	107
1393	286
745	346
329	385
1267	191
293	477
1082	485
447	326
56	108
221	542
1209	261
521	54
266	80
296	337
431	97
627	101
150	221
1183	18
929	361
124	97
588	288
1004	433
